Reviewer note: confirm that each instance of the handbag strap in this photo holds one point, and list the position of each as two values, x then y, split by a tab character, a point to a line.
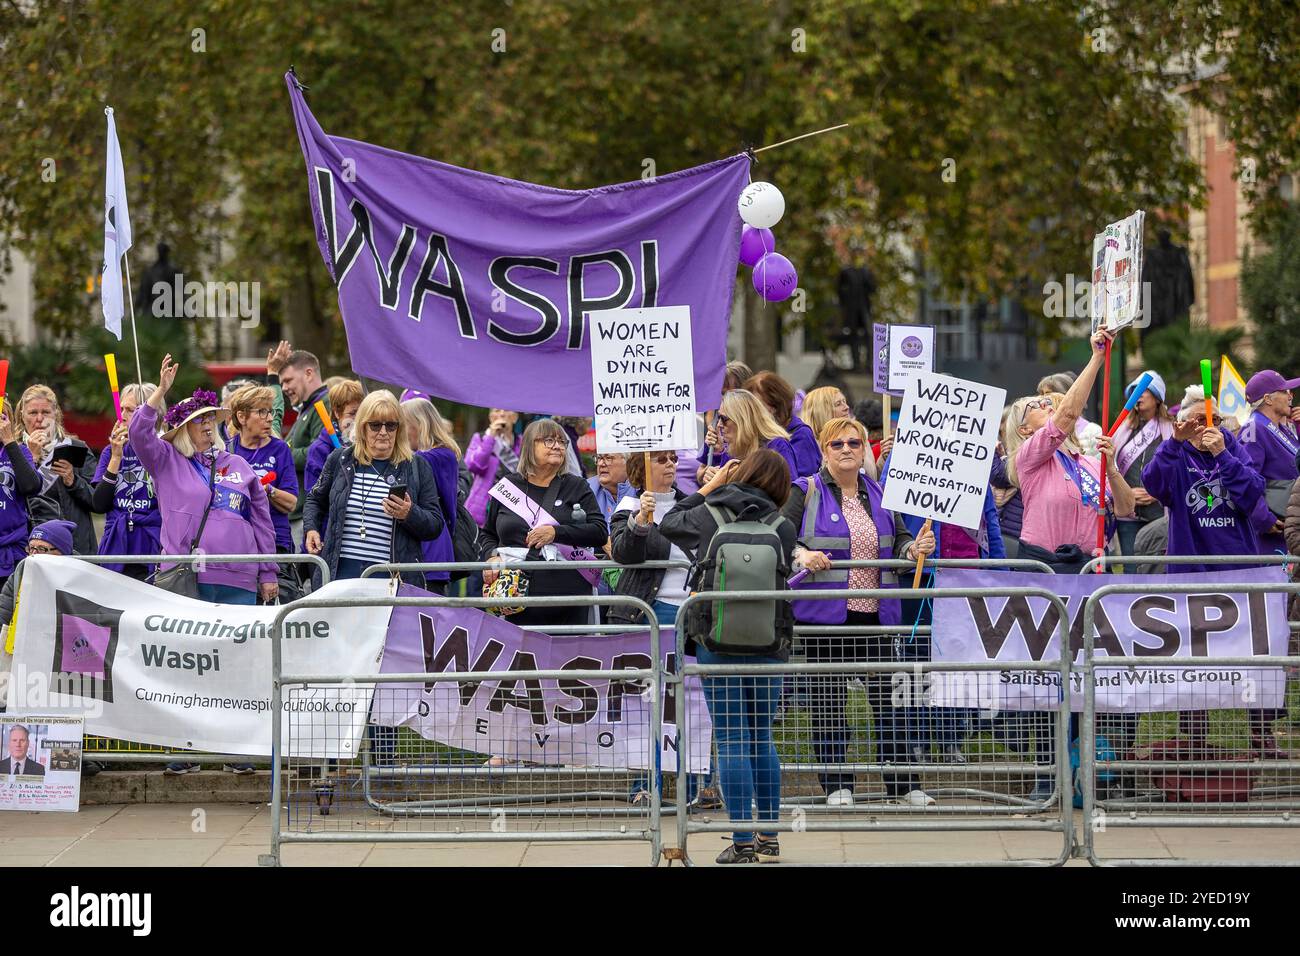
212	497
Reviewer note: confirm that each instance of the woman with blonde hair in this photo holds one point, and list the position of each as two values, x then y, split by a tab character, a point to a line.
380	497
124	493
431	439
252	420
68	484
742	426
824	404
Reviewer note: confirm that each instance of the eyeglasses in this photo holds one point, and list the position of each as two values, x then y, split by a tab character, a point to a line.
382	426
838	443
41	549
662	457
607	459
722	420
554	442
1199	421
262	412
1032	404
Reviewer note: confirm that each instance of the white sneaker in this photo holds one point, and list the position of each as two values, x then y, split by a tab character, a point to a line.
952	753
840	798
918	798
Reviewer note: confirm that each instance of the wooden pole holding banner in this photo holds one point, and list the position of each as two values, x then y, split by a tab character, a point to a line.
920	558
795	139
1101	497
887	412
130	307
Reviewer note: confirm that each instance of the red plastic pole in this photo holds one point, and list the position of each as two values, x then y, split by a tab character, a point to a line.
1101	505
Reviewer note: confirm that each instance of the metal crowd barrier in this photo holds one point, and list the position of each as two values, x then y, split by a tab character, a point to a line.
111	751
1107	560
877	817
1254	806
347	831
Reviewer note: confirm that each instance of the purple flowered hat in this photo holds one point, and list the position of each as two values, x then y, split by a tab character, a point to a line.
201	402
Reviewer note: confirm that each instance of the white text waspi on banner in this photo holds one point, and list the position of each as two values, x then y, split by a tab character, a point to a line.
157	668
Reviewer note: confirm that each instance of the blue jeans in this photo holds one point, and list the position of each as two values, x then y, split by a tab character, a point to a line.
666	615
226	594
742	710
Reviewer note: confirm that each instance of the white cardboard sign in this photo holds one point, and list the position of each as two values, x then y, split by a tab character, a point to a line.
1117	273
943	449
643	379
911	352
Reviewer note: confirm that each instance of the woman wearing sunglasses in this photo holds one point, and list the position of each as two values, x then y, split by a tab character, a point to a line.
839	517
744	425
634	539
380	496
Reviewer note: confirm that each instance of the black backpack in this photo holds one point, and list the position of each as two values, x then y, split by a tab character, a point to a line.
464	536
742	556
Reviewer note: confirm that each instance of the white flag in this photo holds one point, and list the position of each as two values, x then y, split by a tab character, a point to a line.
117	232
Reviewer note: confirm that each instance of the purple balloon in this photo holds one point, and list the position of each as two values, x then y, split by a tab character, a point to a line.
755	244
775	277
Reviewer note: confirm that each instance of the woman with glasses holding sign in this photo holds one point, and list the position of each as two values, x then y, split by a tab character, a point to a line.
541	513
252	412
839	517
1060	486
380	496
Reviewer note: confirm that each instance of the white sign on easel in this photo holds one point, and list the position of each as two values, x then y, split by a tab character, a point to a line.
943	449
1117	273
40	768
911	352
643	379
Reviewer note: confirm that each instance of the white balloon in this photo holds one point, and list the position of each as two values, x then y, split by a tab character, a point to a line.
761	205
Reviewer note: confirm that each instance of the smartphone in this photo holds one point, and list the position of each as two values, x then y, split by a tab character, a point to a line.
397	491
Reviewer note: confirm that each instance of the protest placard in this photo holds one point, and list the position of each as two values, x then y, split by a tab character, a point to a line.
643	379
880	358
41	766
911	352
1117	273
943	449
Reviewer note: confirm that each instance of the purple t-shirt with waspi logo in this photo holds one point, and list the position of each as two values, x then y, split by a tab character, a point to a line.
274	456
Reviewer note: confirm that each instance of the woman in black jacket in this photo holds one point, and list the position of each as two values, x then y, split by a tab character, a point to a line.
540	513
742	708
368	524
635	538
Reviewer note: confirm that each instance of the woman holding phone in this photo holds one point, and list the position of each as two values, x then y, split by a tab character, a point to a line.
381	498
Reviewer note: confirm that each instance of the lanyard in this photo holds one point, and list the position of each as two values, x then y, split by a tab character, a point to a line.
1283	437
1089	489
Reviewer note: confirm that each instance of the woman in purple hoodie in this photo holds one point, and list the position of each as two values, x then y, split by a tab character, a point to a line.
778	395
1216	505
194	474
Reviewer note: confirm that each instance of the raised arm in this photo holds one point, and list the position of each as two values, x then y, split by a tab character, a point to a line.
1068	412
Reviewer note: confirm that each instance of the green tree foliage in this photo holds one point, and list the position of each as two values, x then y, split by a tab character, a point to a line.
1270	286
1048	134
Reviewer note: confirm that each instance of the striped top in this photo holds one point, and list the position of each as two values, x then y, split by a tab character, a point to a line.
365	502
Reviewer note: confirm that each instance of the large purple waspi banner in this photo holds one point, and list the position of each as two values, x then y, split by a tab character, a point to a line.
475	288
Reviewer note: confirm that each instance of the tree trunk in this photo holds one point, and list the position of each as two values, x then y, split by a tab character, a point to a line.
761	323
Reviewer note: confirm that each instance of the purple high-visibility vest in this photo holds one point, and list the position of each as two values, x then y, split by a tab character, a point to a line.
824	529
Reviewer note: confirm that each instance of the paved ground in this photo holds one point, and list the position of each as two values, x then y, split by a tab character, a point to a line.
234	835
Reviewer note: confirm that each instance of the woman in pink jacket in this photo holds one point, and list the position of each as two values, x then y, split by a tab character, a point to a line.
487	455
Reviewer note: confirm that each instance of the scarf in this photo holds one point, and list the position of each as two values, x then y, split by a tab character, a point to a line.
1132	444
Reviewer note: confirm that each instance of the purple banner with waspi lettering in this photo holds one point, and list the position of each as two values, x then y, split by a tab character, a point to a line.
574	722
1185	628
475	287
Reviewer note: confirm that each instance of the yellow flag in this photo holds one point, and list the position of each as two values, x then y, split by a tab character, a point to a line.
1232	392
